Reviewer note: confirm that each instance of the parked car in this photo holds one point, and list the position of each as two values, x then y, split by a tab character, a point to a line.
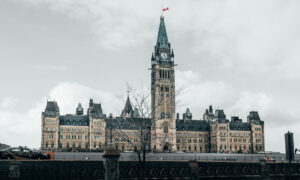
22	153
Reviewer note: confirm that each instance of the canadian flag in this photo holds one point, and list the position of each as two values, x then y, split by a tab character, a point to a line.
165	9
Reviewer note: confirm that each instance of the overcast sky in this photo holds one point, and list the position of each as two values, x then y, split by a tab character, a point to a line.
238	56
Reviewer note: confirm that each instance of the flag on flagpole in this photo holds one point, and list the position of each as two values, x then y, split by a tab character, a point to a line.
165	9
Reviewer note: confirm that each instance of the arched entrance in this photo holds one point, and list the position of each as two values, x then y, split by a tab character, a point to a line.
166	148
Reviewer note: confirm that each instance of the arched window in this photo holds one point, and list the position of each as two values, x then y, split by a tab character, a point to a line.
73	145
46	145
166	129
68	145
52	145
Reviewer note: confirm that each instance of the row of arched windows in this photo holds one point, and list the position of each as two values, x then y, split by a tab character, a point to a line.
165	74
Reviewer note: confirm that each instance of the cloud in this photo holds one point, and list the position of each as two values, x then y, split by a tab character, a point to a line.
24	128
256	37
227	44
50	67
200	93
8	103
113	22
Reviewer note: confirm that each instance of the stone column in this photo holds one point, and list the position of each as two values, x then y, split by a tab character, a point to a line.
111	162
111	157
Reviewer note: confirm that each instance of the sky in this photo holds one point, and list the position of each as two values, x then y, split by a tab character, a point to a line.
239	56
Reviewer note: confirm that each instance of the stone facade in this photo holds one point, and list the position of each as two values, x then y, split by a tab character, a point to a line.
163	132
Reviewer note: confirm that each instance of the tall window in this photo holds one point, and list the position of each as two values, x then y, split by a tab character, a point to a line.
166	129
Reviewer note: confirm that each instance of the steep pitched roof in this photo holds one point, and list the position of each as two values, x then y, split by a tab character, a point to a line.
74	120
128	107
52	106
129	123
79	109
191	125
162	38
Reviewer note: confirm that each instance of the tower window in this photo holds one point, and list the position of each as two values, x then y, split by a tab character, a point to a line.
160	74
161	88
166	129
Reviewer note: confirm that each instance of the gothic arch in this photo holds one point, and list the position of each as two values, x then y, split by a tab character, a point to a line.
166	147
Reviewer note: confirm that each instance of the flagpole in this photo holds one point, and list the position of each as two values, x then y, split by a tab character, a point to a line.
161	8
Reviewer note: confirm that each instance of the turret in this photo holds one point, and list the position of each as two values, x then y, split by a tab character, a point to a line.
127	111
79	110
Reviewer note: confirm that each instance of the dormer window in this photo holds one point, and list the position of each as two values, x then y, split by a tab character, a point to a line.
68	122
74	122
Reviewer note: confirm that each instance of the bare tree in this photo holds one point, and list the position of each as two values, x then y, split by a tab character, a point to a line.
141	102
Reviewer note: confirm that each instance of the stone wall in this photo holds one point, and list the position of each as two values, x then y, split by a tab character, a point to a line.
53	169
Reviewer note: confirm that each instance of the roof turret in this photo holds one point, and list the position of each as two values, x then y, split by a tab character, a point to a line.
127	111
79	110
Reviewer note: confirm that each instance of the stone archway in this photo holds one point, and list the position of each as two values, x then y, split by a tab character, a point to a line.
166	148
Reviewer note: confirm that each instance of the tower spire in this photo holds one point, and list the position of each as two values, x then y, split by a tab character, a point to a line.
162	37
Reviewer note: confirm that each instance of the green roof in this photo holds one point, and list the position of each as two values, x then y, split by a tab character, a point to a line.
162	38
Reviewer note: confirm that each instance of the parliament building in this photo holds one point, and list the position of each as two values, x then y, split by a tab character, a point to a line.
163	131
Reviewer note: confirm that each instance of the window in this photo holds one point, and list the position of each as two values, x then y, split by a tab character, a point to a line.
195	140
166	129
189	140
178	140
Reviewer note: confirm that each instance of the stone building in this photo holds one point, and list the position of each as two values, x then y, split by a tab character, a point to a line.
164	131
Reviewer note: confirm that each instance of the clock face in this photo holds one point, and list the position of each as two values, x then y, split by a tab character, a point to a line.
164	55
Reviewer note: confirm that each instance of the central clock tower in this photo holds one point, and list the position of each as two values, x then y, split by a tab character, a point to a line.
163	134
